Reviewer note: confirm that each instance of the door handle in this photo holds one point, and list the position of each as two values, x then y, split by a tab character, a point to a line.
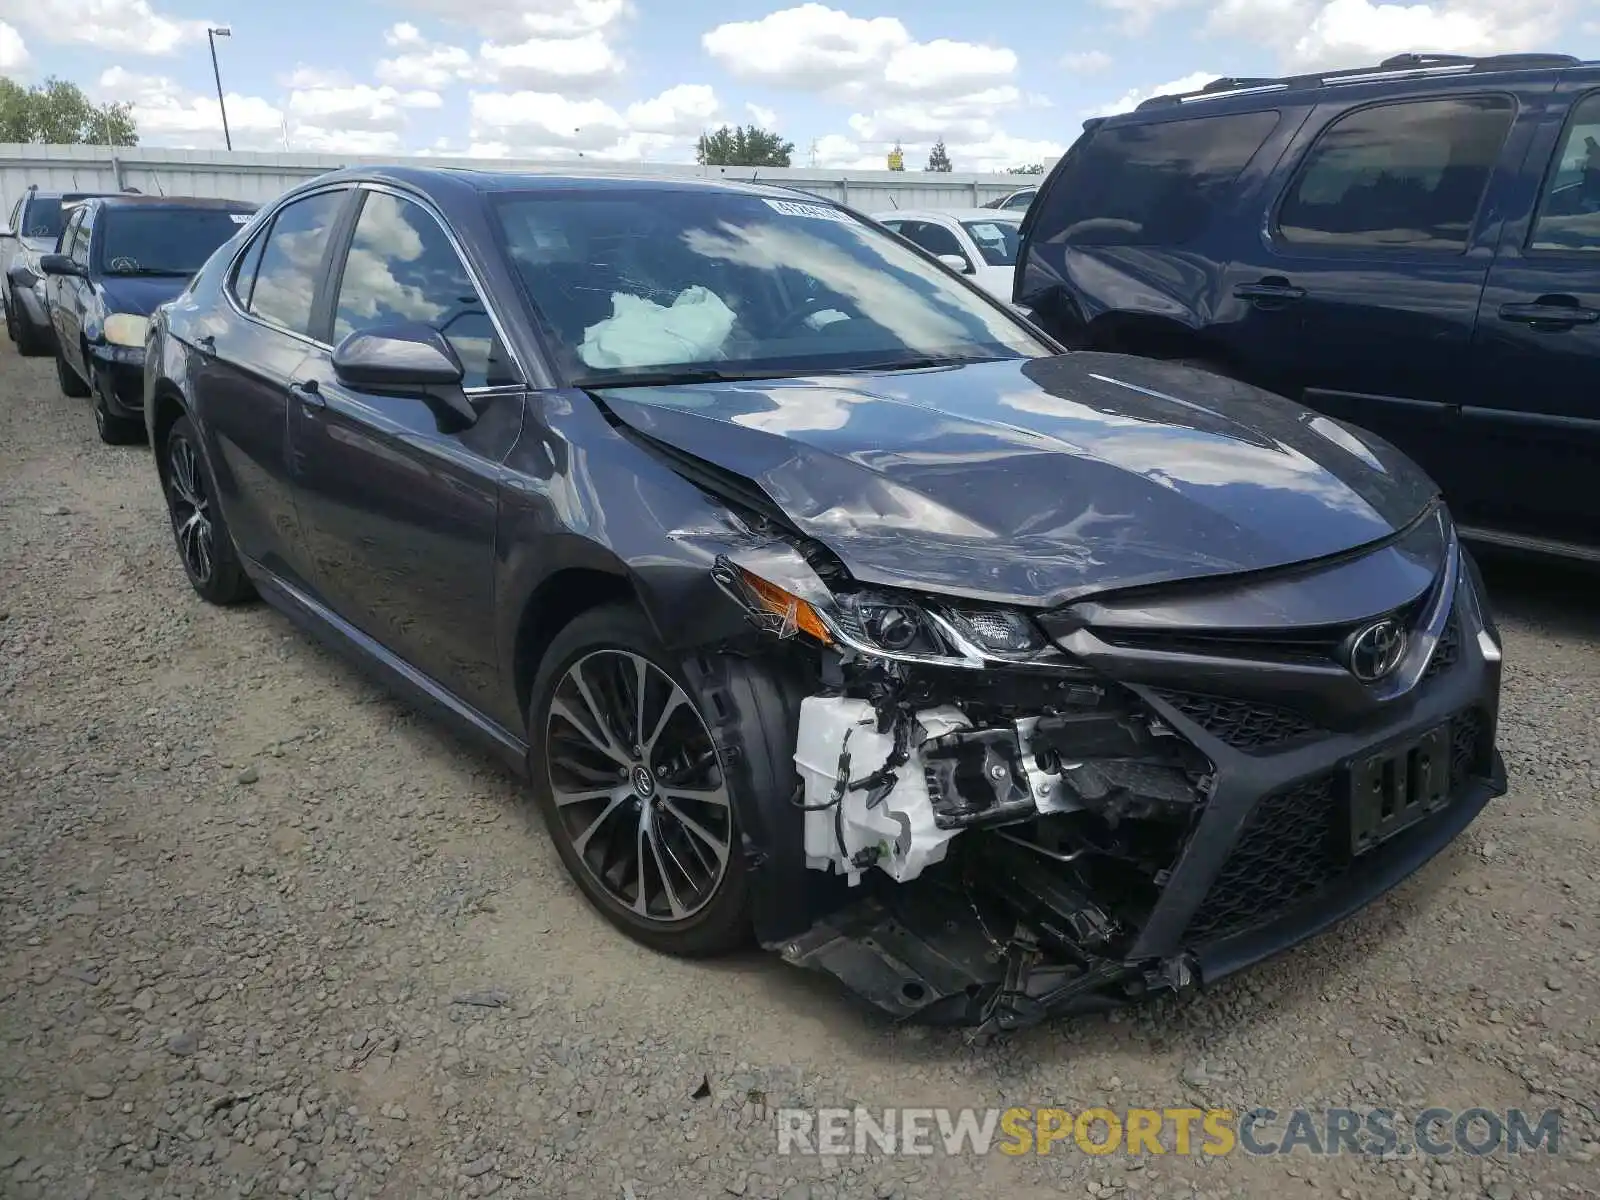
1272	288
309	393
1550	312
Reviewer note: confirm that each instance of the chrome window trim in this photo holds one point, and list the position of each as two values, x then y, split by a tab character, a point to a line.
267	221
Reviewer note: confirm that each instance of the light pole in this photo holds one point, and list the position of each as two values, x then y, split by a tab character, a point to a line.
212	34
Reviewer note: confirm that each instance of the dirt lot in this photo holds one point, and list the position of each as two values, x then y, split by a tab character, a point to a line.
263	931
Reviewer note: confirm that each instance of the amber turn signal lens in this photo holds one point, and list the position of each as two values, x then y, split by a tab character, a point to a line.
793	611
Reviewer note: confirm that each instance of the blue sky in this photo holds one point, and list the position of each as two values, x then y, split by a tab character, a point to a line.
637	80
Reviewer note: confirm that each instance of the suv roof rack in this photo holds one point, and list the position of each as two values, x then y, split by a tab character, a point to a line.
1399	66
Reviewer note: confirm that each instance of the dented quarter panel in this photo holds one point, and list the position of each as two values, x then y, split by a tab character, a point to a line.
1037	481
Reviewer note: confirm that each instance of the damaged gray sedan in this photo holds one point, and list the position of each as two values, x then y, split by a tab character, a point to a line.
822	600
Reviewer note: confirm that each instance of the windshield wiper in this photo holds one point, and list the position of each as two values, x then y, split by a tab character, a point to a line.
916	361
163	271
664	378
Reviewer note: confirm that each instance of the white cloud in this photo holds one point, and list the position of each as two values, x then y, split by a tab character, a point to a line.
421	63
14	58
763	117
131	26
169	115
357	109
513	20
584	63
816	48
970	116
1138	16
314	77
1086	62
1137	96
549	124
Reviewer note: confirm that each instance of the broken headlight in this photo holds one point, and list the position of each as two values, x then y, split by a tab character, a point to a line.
886	625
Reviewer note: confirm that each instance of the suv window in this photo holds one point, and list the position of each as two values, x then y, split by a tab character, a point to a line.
1409	174
1569	211
291	257
402	267
41	217
1154	184
933	238
76	243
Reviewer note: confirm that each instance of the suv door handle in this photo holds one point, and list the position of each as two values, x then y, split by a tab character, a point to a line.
308	393
1550	312
1272	288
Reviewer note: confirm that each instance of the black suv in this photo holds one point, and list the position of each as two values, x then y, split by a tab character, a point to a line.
1413	247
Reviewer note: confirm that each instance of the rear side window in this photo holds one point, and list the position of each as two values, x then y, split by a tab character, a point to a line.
1569	210
291	259
1146	185
1408	175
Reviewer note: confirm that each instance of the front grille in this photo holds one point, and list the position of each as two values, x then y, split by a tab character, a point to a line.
1292	844
1285	854
1242	724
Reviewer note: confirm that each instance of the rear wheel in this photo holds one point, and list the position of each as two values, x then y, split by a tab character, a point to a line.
204	543
634	788
30	342
71	385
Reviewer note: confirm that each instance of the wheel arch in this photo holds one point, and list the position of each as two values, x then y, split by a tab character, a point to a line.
553	604
166	407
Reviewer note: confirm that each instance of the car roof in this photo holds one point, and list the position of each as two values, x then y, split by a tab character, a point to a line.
1398	73
123	200
952	214
433	179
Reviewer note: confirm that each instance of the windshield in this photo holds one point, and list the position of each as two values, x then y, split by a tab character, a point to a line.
163	241
723	284
997	241
41	218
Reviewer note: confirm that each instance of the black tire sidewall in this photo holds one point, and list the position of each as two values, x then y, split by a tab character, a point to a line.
228	583
724	923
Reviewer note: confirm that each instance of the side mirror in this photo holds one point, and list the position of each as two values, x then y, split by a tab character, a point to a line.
405	359
59	264
956	262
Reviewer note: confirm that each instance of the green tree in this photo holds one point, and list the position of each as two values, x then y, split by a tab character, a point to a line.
1033	168
938	159
743	146
58	113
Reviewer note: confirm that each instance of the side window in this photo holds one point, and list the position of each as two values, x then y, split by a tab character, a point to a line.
1407	175
74	242
402	267
244	275
1569	210
1153	184
290	260
1020	201
935	239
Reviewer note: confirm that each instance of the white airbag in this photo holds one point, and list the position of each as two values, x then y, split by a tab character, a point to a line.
642	333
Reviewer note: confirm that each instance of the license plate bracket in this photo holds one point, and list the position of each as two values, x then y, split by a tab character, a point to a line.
1392	789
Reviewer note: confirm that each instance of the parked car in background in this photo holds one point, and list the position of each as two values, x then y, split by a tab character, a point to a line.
30	232
1412	247
1017	201
121	256
978	242
818	595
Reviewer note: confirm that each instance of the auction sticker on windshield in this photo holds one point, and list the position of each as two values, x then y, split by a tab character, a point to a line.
820	212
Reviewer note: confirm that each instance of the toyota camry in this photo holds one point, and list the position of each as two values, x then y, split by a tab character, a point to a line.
821	599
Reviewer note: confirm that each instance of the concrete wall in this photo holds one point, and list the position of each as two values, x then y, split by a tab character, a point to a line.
244	175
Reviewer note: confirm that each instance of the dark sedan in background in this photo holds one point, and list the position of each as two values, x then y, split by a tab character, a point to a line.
819	597
118	257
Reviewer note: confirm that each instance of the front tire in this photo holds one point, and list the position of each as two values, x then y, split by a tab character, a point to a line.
114	430
205	546
30	342
71	385
634	789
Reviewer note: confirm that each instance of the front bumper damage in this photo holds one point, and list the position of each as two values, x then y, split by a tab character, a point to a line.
1187	799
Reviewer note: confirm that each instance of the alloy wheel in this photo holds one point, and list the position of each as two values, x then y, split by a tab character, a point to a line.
637	785
191	509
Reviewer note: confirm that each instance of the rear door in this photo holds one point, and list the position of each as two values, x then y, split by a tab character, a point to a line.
399	501
1360	294
70	294
1534	406
245	369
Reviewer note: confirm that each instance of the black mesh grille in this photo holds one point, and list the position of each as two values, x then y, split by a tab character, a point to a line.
1285	854
1291	847
1242	724
1447	652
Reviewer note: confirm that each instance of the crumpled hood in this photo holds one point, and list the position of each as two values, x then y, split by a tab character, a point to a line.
1036	481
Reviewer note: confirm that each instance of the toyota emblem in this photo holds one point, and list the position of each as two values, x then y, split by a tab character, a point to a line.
1376	650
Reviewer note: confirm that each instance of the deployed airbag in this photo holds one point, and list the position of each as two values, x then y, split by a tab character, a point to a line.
642	333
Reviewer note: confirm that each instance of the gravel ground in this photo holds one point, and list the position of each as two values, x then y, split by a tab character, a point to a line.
263	931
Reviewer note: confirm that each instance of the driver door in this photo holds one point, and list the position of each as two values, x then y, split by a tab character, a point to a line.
399	501
69	294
